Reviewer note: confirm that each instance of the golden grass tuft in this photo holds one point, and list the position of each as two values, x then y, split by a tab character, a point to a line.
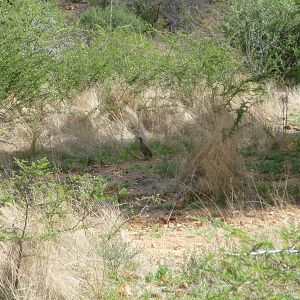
69	266
214	167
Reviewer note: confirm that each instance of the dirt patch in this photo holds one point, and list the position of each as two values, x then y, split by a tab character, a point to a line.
138	177
195	231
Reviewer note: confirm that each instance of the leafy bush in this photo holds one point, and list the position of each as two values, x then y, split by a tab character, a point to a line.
37	53
141	63
44	58
268	35
96	17
34	187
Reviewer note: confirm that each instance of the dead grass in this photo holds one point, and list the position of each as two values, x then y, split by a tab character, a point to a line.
215	168
69	266
98	118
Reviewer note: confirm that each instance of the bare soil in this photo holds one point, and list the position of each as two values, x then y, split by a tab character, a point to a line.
171	243
166	234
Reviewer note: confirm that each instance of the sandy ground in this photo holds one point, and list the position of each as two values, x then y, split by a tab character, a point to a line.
172	243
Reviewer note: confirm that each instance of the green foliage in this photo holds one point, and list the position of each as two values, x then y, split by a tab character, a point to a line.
290	235
37	206
142	65
166	168
101	3
89	190
162	272
116	253
43	57
97	17
229	276
263	188
35	45
172	15
197	61
268	35
30	173
149	11
34	188
194	267
159	148
132	151
273	165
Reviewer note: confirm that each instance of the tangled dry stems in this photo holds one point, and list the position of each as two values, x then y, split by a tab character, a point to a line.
70	266
215	168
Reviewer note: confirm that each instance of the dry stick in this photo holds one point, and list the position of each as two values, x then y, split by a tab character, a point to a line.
20	242
170	214
111	13
286	109
9	143
264	252
145	206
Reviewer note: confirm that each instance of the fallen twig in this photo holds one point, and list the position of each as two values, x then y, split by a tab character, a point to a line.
264	252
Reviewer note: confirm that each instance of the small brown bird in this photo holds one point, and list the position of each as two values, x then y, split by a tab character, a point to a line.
145	149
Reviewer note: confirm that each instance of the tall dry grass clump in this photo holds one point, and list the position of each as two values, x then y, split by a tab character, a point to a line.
73	265
214	170
97	120
58	240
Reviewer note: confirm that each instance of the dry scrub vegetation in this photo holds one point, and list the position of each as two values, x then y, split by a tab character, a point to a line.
214	213
57	240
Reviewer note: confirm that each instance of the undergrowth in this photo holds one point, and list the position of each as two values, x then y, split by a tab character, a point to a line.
244	271
59	238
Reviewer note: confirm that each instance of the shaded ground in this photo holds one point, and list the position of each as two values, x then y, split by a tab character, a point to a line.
165	234
139	177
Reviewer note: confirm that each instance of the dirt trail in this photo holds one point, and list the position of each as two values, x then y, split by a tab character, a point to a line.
167	235
192	231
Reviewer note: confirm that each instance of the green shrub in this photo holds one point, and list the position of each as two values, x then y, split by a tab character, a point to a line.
96	17
173	15
268	35
47	220
37	53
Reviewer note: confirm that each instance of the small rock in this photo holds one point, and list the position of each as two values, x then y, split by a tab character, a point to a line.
125	290
183	285
165	277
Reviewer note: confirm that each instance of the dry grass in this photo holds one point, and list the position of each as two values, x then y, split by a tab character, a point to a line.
76	264
72	265
97	118
215	168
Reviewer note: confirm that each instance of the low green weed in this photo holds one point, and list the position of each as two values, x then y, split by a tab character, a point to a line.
96	17
38	211
162	274
235	274
273	165
166	168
